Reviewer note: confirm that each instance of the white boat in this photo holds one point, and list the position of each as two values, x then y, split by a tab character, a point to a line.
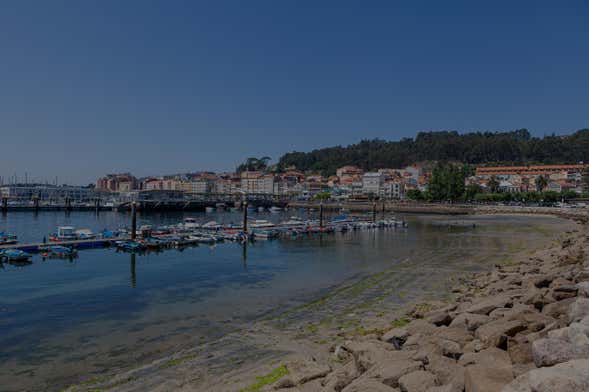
260	209
202	238
293	221
275	209
260	223
212	225
65	233
85	234
190	223
209	209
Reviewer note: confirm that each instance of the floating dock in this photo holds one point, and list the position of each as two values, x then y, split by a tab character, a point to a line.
36	247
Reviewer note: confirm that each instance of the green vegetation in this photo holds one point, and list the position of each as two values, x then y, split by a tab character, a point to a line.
401	322
254	164
515	147
177	361
270	378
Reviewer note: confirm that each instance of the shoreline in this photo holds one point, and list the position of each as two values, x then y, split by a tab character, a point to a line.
262	343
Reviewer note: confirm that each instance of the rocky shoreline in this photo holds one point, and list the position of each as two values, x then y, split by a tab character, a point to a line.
520	328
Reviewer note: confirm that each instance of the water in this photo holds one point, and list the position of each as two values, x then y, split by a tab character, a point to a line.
64	320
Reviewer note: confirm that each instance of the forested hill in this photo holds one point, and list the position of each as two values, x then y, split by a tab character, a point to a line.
516	147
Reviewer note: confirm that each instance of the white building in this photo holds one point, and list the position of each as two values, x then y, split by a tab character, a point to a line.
372	183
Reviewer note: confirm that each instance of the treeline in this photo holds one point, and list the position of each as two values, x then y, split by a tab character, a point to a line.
516	147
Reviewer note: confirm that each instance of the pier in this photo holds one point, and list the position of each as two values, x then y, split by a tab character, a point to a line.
35	247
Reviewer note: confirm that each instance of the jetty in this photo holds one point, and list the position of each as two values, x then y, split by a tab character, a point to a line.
36	247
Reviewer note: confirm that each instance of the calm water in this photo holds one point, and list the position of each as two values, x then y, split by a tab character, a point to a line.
61	320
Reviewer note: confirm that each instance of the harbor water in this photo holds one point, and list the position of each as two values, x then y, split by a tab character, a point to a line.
64	320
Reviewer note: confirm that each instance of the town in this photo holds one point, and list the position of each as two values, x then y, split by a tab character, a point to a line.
486	183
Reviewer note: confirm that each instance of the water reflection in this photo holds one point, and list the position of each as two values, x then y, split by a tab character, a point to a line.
133	274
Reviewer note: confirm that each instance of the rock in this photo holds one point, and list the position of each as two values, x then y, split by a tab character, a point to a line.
446	370
495	333
455	334
583	289
439	318
450	349
340	378
389	372
548	352
473	347
572	376
564	291
469	321
419	381
487	305
520	352
368	385
368	353
558	309
300	372
396	336
421	327
579	309
481	378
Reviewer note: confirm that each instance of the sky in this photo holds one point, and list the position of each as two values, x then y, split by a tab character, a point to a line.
158	87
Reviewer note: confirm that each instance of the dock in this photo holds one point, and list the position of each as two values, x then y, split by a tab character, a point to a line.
35	247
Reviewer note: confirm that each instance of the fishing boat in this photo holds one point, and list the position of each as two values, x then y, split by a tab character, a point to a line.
7	238
14	255
57	251
130	246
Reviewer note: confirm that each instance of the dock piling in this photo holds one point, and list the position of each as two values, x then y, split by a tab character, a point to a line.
4	205
321	214
245	217
133	220
374	212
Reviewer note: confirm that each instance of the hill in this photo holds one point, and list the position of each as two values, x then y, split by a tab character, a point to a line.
515	147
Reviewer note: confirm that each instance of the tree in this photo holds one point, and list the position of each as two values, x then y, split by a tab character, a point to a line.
493	184
414	194
254	164
323	196
541	183
471	191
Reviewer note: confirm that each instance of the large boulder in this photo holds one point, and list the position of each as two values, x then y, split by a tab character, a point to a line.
446	370
487	305
368	385
368	353
579	309
496	333
470	321
481	378
558	309
549	352
389	372
572	376
419	381
583	289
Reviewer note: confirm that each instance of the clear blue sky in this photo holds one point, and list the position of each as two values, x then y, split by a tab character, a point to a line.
89	87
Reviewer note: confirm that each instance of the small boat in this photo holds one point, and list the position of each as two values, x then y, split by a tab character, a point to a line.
209	209
7	238
14	255
190	223
265	233
260	223
151	242
202	238
64	233
261	209
130	246
212	225
85	234
275	209
58	251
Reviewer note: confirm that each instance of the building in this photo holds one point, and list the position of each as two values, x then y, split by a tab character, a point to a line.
124	182
51	193
256	182
349	174
393	190
533	170
372	183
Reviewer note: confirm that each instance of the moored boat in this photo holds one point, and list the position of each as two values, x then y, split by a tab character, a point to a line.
15	255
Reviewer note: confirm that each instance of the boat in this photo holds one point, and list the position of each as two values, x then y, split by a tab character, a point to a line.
294	221
151	242
7	238
265	233
260	223
85	234
275	209
202	238
57	251
130	246
212	225
209	209
190	223
64	233
14	255
261	209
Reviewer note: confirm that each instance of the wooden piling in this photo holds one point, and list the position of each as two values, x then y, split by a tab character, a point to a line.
133	220
374	212
4	204
245	217
321	214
